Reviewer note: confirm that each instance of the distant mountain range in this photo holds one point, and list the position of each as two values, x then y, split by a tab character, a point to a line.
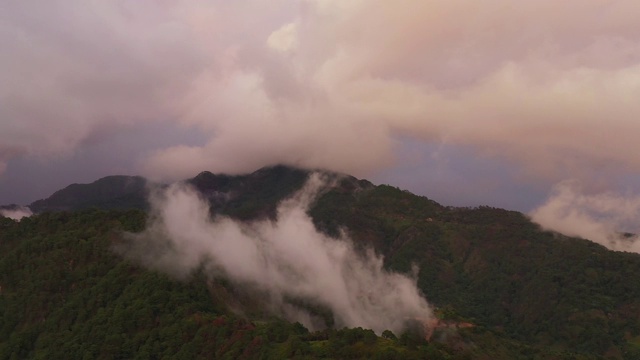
522	292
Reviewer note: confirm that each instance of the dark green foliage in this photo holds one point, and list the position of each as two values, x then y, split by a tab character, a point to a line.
251	196
65	295
387	334
499	270
504	289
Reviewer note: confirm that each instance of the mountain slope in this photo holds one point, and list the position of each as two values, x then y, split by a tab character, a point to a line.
249	196
524	292
65	295
111	192
496	269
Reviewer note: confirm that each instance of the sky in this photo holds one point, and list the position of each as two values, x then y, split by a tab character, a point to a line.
525	105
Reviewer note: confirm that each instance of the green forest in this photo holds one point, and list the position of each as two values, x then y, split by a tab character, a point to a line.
65	295
502	288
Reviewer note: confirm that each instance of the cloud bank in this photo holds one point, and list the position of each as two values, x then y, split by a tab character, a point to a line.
326	83
599	217
287	258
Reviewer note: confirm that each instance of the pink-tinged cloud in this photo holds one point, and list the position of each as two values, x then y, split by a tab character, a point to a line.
601	216
326	83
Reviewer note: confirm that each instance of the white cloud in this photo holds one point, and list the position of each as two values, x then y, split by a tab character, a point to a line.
286	258
599	217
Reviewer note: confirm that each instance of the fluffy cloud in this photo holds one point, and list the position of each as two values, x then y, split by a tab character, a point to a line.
322	83
597	216
75	70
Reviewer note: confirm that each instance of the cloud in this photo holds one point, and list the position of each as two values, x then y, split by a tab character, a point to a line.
600	217
16	213
283	39
287	258
93	69
550	87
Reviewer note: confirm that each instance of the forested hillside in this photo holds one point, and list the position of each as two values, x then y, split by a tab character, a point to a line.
496	269
66	295
502	288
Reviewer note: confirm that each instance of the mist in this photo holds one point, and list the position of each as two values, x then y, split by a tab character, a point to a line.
286	258
602	217
16	213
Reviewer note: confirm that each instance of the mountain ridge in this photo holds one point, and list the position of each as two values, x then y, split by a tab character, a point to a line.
109	192
269	183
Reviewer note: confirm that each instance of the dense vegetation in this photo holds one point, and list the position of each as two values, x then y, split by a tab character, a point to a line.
496	269
503	288
65	295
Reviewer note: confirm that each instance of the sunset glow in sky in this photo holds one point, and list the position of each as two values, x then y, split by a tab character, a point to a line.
495	102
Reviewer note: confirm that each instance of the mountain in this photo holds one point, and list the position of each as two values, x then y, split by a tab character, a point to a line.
256	195
503	288
111	192
252	195
246	197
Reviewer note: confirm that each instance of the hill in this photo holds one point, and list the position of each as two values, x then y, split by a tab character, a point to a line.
111	192
503	288
247	196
